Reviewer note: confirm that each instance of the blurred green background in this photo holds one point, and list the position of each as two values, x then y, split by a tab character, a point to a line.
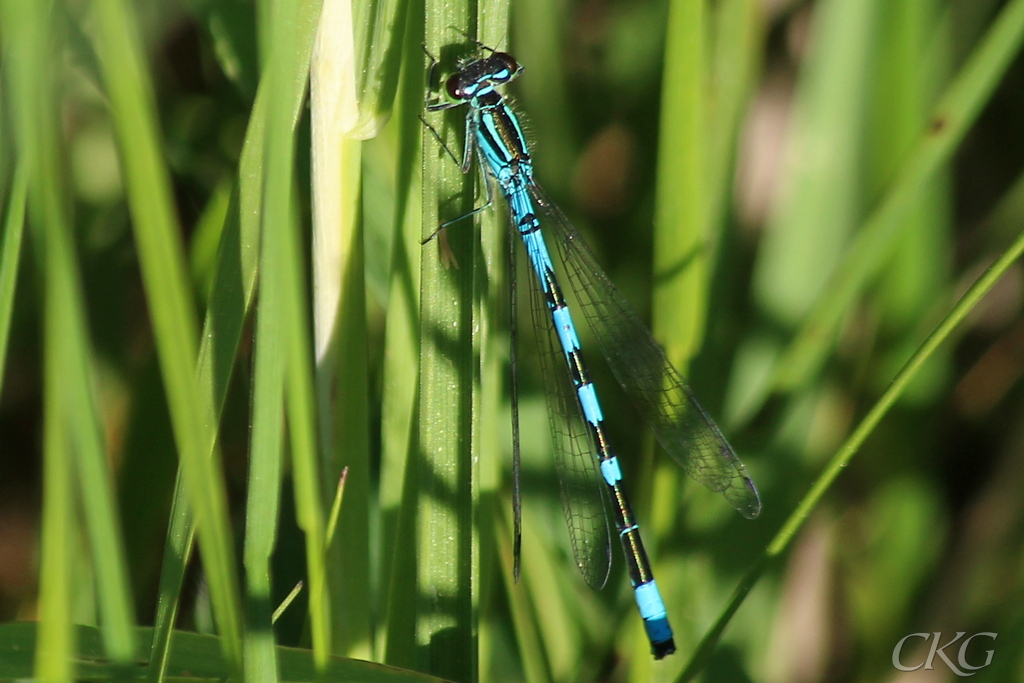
793	192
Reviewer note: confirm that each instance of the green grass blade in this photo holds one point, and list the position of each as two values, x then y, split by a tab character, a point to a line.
401	369
167	286
282	268
230	297
492	287
96	490
340	335
841	459
378	45
178	549
28	33
529	636
234	275
738	41
55	651
10	255
680	235
449	402
363	40
332	518
266	456
277	357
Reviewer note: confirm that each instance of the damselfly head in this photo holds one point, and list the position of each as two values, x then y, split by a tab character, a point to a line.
481	75
510	67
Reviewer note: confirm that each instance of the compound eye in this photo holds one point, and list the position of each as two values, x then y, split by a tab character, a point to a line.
509	62
454	87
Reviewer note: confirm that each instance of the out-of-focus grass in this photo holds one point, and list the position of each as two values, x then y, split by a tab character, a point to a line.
795	194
